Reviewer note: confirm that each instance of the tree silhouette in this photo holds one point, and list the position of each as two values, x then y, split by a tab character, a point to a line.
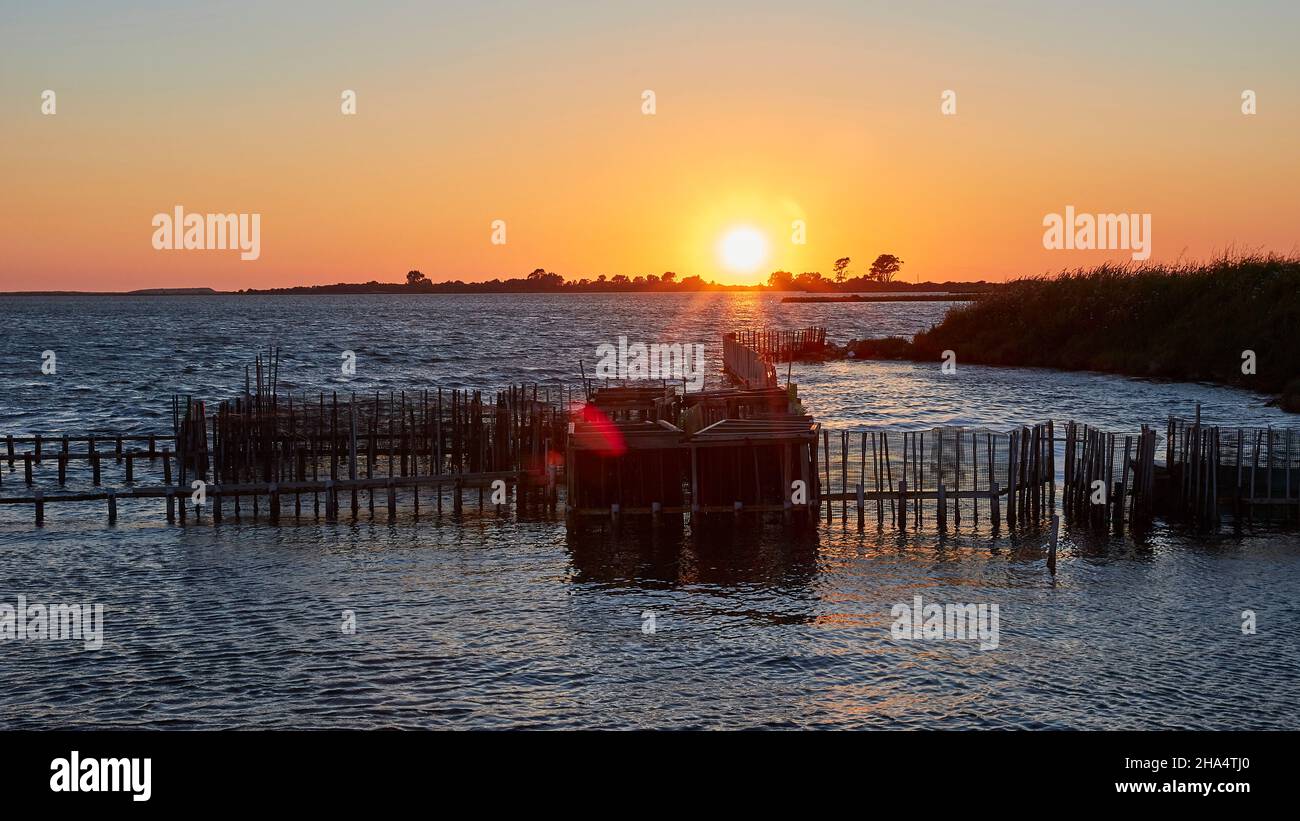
812	281
780	280
414	278
841	264
885	267
542	280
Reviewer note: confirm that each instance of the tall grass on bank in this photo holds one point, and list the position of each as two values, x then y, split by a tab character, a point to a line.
1190	321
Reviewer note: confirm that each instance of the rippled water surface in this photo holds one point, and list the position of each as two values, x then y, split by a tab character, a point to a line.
495	622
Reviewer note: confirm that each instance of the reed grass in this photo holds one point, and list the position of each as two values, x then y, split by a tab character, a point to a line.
1185	321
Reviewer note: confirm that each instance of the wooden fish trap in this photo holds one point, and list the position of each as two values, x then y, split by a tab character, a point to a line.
746	366
743	462
782	346
624	467
85	458
267	450
942	477
636	401
1248	472
749	356
1108	478
752	465
704	408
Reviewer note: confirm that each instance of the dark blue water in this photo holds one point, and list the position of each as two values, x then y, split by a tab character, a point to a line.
497	622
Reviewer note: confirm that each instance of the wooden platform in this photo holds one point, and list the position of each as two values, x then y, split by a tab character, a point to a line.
737	449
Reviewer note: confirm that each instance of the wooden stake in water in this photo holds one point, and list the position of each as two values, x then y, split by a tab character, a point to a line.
1051	551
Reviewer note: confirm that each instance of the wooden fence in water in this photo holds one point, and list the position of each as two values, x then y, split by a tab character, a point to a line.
746	365
728	451
945	475
267	447
749	356
1248	471
781	346
1109	478
346	454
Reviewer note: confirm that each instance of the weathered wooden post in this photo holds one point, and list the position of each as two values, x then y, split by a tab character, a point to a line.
941	509
995	507
826	449
844	475
695	482
1051	550
1118	505
902	505
273	491
862	507
1012	439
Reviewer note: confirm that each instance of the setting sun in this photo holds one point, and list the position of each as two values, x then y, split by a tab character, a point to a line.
743	250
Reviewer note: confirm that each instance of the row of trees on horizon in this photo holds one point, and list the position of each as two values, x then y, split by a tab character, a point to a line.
881	276
882	272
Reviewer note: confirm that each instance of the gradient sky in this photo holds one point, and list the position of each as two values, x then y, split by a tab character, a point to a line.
531	113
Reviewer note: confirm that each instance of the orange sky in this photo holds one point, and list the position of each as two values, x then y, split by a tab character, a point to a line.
826	112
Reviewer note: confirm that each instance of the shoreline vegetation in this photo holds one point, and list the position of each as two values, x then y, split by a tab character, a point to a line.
1231	321
686	286
880	277
847	291
543	281
898	292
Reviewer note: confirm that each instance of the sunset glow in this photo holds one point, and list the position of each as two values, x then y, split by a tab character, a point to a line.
829	113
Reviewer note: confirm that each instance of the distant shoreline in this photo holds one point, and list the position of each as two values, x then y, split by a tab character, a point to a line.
933	293
144	292
949	296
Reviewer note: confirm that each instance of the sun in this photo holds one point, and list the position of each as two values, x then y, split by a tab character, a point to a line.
742	250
